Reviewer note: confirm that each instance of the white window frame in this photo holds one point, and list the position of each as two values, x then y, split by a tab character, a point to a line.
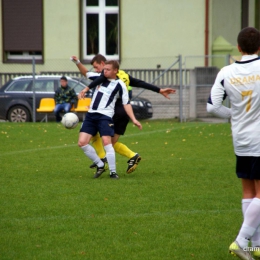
101	10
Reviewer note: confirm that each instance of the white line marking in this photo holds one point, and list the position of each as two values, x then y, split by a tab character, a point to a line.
124	136
133	215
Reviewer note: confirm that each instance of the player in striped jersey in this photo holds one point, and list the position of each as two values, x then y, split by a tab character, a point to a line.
99	118
120	118
241	82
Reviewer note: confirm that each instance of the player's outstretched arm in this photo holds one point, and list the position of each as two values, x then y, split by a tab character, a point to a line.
142	84
83	70
167	91
97	81
129	110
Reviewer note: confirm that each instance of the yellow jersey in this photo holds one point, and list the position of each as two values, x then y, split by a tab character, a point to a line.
124	77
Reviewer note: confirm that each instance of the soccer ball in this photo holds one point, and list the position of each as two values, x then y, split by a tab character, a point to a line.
70	120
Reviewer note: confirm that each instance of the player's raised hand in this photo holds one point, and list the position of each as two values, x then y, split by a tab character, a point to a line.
74	59
167	91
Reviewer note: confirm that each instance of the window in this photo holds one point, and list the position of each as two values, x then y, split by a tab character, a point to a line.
75	85
22	36
100	28
19	86
44	86
78	86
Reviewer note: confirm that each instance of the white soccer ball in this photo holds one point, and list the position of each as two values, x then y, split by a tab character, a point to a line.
70	120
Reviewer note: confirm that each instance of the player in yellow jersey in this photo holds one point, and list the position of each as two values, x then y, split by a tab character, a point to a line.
120	117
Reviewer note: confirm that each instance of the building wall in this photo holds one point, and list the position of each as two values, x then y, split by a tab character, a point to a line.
1	34
226	19
61	28
155	32
61	34
252	13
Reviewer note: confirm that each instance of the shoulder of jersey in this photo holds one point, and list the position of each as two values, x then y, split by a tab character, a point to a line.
122	73
92	73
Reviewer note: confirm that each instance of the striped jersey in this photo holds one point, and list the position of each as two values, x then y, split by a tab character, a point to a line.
105	95
241	82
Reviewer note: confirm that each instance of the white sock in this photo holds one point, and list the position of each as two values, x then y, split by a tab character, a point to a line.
245	204
255	240
92	155
111	157
250	224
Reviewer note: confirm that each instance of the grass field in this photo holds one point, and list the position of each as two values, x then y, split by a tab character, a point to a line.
182	202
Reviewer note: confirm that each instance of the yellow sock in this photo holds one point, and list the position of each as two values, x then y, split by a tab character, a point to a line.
96	142
123	150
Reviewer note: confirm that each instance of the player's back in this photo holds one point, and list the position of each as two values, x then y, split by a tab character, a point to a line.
242	84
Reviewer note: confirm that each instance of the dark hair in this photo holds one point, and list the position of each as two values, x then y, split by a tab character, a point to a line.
64	78
249	40
114	63
98	59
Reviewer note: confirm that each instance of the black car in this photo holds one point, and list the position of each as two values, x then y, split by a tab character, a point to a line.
142	108
16	97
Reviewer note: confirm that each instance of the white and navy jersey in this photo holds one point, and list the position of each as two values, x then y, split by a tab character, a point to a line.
105	95
241	82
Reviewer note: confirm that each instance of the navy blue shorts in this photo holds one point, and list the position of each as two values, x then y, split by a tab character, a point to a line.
95	122
248	167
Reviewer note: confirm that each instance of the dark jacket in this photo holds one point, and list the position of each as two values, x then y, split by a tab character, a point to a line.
65	95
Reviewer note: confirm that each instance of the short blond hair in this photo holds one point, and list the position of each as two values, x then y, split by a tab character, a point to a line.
114	63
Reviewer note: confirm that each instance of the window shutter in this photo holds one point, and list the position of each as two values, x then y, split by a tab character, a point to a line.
22	25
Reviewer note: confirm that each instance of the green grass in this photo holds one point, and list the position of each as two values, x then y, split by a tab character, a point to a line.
182	202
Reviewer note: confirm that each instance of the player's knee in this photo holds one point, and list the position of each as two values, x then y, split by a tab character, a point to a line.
106	141
81	143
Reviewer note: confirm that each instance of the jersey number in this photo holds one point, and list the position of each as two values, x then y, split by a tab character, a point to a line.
249	94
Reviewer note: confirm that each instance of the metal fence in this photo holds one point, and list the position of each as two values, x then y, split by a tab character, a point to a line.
198	81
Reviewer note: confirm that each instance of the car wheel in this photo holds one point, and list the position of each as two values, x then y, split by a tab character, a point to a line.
19	114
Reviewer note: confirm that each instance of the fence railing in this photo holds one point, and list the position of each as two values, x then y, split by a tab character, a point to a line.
169	79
